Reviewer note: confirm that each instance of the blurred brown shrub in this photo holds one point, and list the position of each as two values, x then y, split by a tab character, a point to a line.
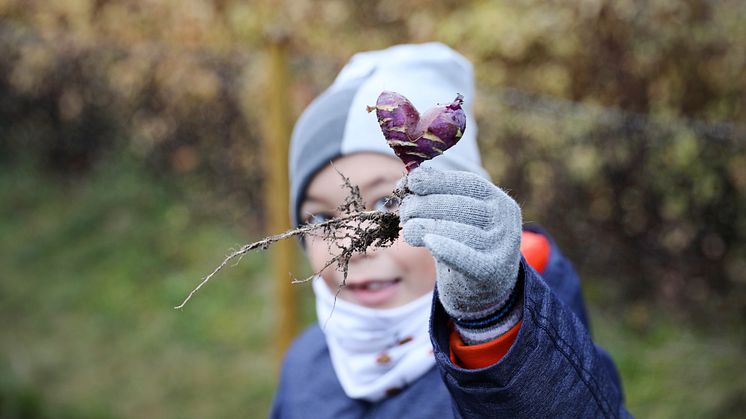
641	190
70	99
617	124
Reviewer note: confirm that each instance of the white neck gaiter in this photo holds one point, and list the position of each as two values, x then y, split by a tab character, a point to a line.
375	352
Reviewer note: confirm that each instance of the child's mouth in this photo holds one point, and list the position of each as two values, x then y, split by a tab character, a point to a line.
374	293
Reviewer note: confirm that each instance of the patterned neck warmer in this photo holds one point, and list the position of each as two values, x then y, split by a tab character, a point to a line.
375	352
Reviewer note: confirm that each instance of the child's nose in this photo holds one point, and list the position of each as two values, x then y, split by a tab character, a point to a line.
353	235
357	256
348	243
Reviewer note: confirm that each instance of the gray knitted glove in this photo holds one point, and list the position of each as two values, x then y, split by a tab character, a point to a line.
473	229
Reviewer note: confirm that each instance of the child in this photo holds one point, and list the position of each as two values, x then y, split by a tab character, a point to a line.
450	321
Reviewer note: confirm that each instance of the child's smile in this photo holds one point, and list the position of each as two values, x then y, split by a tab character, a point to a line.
373	292
381	278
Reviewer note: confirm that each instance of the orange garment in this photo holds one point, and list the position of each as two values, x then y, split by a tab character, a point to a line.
535	249
485	354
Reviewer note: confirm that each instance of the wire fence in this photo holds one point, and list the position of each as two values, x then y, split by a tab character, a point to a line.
555	107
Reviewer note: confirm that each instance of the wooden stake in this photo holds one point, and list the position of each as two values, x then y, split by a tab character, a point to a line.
276	141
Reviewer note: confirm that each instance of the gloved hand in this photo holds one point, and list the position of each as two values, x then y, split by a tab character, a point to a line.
473	230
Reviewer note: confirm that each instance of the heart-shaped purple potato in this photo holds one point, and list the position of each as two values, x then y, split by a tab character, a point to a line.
414	138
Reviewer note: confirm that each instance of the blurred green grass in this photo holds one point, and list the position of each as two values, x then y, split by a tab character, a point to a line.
671	369
90	271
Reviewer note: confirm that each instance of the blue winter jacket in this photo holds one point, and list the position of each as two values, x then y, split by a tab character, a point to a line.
553	369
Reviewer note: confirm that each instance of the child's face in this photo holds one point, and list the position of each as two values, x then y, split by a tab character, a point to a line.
381	278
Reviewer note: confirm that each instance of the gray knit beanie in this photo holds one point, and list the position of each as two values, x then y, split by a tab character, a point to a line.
336	123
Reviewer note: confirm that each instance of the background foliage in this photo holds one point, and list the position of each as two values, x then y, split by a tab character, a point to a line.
131	159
